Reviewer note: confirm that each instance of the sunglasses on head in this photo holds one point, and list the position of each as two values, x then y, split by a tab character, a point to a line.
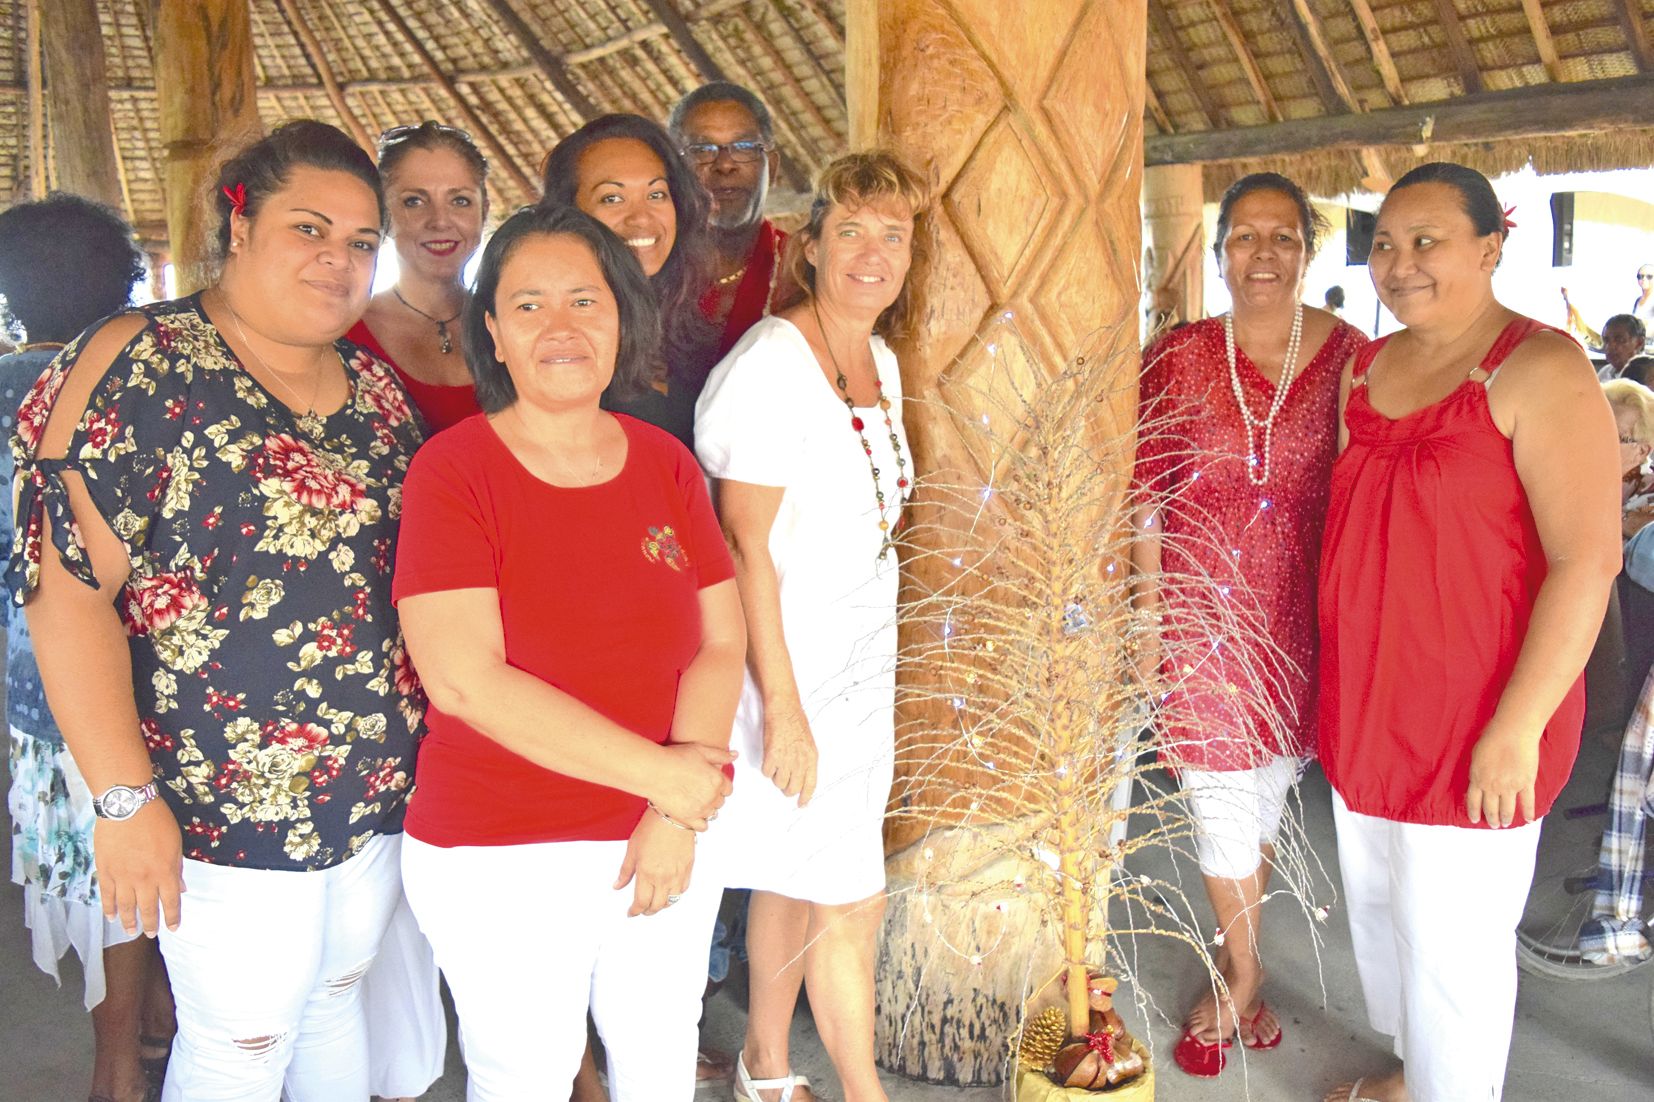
402	133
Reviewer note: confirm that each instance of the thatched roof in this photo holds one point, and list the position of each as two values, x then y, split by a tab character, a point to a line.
1213	65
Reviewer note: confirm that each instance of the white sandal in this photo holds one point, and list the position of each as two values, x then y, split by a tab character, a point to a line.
747	1088
1355	1092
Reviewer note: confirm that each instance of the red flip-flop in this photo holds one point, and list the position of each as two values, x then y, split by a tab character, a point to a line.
1247	1024
1201	1058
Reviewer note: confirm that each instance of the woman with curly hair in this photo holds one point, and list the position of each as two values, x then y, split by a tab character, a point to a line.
208	492
65	263
624	171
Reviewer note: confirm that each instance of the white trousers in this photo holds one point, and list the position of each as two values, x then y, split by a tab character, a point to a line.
266	969
524	973
1237	812
1433	914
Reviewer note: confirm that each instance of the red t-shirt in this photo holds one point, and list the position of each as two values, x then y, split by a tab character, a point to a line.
599	596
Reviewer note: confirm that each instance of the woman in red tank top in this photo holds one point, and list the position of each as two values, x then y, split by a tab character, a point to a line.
1471	539
436	187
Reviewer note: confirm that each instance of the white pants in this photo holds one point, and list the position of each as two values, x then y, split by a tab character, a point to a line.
1237	812
524	972
1433	913
265	968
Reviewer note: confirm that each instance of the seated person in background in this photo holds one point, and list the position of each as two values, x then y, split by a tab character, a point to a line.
1633	406
727	138
1623	337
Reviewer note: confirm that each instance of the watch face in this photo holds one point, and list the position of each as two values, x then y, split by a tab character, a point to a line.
120	802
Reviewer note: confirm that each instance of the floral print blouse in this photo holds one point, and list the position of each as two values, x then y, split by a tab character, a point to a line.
274	693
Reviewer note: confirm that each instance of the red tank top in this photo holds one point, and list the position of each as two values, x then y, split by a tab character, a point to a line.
441	406
1429	569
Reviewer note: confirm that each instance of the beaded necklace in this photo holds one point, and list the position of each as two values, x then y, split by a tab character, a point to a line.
860	426
1257	468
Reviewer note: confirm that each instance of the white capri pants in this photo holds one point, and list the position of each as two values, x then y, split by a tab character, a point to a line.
1237	813
266	969
530	936
1433	915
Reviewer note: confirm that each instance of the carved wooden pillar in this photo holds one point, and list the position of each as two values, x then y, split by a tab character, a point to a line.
1028	121
77	100
209	109
1173	283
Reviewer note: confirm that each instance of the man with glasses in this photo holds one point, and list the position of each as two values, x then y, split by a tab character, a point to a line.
727	136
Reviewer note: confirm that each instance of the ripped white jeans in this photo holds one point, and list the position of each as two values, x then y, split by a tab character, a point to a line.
266	969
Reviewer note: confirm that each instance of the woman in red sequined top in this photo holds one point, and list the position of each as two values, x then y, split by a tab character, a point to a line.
1472	536
1232	467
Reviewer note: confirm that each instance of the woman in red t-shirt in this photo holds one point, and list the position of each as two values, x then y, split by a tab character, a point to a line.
569	603
1472	536
436	189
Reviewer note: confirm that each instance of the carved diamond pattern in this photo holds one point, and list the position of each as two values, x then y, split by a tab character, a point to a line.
1003	202
942	120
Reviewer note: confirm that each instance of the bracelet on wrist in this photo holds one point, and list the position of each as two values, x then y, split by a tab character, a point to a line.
671	822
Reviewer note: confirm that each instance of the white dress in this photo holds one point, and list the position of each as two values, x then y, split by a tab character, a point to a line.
770	417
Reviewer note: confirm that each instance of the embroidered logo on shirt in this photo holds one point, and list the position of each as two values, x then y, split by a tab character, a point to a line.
661	545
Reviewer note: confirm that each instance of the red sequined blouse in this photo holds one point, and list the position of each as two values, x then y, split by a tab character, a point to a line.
1238	561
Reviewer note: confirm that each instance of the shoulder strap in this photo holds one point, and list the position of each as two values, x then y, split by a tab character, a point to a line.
1512	335
1364	357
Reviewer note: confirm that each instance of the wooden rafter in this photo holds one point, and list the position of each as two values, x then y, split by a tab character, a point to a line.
550	66
1542	38
1382	61
1173	45
685	38
1156	111
1248	63
317	57
37	102
1636	34
1542	110
1336	95
782	69
1459	47
822	18
479	128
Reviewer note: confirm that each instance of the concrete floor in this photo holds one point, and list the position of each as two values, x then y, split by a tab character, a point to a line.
1582	1042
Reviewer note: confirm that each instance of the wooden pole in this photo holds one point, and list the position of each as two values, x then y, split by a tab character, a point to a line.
37	103
208	108
1576	107
1172	201
317	57
1031	131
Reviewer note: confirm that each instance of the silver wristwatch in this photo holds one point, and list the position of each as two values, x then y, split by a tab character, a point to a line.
120	802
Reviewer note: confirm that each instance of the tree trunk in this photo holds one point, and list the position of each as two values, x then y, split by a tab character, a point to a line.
209	109
77	100
1030	127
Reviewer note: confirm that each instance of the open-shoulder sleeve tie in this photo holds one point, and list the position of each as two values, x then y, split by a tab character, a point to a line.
40	494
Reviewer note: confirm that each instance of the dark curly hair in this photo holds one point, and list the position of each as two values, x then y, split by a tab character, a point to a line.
65	262
688	339
263	168
1311	222
639	317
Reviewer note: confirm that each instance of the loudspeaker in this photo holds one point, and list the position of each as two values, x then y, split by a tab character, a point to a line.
1562	229
1358	234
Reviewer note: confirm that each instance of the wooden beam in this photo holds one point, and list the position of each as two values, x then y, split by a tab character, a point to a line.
317	57
37	102
1156	111
549	65
822	18
1576	107
1173	45
861	71
1249	64
1636	34
1382	61
1542	38
483	132
1313	39
1459	47
685	38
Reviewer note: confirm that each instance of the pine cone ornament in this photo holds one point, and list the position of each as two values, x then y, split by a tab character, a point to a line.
1042	1036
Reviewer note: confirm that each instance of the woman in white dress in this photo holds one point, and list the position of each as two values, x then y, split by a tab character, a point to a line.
800	427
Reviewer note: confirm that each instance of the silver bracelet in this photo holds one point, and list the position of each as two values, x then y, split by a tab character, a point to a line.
671	822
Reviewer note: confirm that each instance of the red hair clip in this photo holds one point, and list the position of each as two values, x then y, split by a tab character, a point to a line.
237	197
1509	225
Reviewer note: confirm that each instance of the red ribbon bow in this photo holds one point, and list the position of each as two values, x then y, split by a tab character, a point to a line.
1102	1043
238	198
1509	225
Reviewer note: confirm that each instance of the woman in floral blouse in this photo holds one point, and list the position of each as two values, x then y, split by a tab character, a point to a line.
208	497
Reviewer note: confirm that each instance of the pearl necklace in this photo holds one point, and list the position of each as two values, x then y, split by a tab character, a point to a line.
1257	468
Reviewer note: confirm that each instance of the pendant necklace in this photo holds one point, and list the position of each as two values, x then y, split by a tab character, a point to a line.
859	426
309	422
1257	466
442	324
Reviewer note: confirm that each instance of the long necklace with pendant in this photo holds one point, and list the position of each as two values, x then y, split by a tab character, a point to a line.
442	324
886	530
308	421
1257	466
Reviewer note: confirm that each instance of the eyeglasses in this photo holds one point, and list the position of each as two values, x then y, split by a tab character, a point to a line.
402	133
742	153
1644	275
